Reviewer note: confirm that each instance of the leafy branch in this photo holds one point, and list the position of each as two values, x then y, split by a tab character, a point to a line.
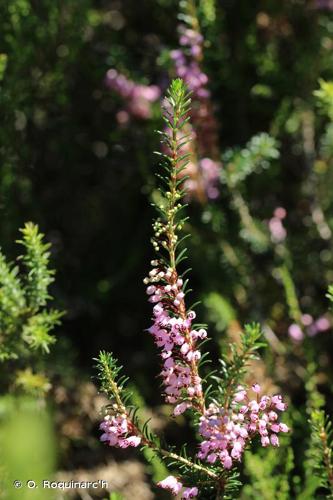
234	363
320	450
25	321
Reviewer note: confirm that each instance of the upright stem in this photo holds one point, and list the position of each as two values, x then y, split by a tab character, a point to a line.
172	240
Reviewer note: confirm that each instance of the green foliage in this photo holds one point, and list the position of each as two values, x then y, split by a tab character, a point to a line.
319	454
28	445
116	496
157	467
290	293
3	65
36	261
252	231
325	97
173	163
234	363
220	311
207	8
112	383
257	155
326	143
269	472
26	323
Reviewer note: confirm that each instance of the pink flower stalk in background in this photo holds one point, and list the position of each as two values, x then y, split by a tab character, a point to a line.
204	171
205	165
138	98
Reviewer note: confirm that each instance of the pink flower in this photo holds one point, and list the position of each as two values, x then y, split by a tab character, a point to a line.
279	404
295	332
211	458
320	325
323	324
190	492
278	232
264	441
134	441
172	484
227	462
274	440
117	431
239	396
283	427
151	289
280	213
307	319
179	409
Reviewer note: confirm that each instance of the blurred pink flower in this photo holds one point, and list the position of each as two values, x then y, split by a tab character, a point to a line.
295	332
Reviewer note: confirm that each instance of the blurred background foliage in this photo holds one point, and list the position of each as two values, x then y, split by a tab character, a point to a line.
72	162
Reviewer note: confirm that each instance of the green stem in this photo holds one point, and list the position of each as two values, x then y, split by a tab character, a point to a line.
291	295
187	462
172	236
114	388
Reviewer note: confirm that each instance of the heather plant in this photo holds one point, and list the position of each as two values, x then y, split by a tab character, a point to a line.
26	321
261	233
227	414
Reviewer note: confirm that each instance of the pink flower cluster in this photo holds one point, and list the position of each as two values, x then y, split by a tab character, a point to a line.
175	337
277	230
311	327
139	98
172	484
118	432
228	431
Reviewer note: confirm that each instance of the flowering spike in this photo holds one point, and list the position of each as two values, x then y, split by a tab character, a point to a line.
172	322
233	417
